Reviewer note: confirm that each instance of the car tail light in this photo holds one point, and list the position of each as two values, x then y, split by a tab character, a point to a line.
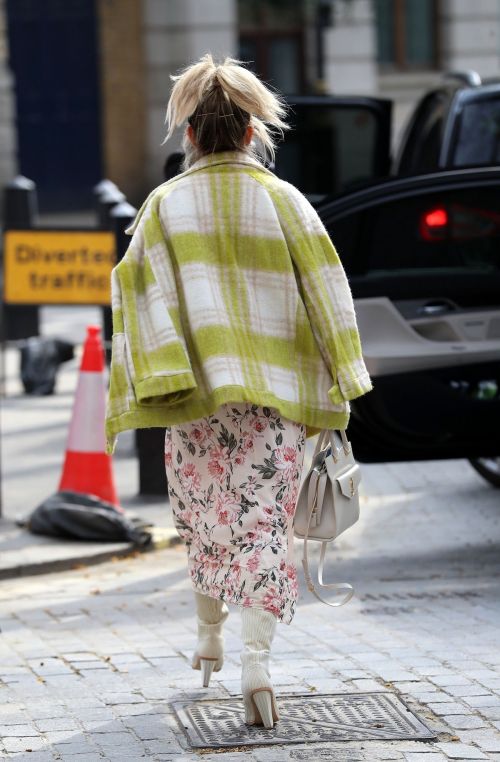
458	223
434	224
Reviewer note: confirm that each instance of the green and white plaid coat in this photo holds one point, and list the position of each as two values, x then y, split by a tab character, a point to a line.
231	290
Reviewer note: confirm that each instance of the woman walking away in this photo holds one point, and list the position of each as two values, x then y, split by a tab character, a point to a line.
234	328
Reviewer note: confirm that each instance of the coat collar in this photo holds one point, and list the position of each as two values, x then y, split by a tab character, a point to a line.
241	158
226	157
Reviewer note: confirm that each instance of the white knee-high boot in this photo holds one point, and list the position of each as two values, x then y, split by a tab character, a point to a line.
257	631
209	656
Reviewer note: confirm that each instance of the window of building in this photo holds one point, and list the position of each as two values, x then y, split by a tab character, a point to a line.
406	34
271	42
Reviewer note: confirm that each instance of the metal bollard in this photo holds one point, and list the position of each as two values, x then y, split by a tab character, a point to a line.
100	188
151	452
107	200
20	321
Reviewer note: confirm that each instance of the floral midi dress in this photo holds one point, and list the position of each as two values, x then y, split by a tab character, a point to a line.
233	482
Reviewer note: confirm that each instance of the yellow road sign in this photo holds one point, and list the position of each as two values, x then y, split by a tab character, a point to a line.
58	267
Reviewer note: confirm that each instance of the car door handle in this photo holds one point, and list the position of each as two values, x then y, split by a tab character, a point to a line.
436	307
393	345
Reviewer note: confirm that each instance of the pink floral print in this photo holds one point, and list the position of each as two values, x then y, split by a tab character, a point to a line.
233	482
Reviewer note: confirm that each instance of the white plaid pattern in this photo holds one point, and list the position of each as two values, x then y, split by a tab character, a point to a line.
157	326
190	209
203	295
282	382
272	302
257	215
223	370
164	274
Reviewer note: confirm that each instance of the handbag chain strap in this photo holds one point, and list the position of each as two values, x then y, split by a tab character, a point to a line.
345	586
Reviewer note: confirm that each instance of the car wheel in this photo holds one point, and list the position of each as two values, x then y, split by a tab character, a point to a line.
489	468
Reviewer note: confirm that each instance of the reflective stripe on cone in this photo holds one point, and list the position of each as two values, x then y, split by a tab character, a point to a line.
87	469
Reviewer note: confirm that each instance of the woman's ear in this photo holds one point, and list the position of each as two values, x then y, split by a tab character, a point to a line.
190	134
248	135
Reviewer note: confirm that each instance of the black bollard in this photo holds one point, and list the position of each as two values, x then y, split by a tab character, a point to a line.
150	450
107	200
20	321
101	187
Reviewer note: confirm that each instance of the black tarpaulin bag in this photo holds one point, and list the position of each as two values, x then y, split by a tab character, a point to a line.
85	517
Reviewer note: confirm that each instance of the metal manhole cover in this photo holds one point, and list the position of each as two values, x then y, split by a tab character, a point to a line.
303	719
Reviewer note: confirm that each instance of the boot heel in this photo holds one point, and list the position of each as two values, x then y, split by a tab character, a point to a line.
263	700
207	667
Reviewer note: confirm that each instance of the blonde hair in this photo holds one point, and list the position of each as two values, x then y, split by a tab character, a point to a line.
220	101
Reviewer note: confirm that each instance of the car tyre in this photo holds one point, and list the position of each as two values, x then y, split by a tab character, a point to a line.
488	468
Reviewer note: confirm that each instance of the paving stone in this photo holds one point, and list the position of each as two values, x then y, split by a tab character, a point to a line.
154	747
126	710
49	666
467	690
413	687
463	721
489	744
432	698
35	756
57	723
490	712
77	747
483	701
442	708
450	679
117	740
9	731
35	743
433	672
417	756
461	751
61	736
366	685
87	666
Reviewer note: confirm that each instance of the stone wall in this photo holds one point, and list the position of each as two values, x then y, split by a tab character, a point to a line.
177	33
350	49
470	35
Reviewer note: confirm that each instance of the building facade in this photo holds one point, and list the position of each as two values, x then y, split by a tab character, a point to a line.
84	84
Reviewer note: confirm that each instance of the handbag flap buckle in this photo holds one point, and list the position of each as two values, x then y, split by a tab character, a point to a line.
349	481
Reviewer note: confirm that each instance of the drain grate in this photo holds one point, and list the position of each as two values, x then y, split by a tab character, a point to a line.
303	719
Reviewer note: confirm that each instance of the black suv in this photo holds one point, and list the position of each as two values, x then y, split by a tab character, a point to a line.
419	236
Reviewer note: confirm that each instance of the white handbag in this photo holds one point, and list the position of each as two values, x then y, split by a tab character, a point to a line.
328	503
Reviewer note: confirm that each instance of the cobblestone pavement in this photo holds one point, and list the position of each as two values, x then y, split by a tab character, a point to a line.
90	659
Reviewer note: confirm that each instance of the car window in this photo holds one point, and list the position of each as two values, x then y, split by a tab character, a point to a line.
421	143
477	136
434	237
331	150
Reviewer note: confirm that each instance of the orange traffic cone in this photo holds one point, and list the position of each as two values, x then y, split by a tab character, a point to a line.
87	469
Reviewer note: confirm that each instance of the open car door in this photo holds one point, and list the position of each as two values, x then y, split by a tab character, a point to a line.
335	144
423	259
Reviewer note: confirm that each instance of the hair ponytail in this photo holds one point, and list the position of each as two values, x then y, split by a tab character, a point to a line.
220	102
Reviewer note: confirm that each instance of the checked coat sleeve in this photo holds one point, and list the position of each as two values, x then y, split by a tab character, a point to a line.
150	366
326	295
